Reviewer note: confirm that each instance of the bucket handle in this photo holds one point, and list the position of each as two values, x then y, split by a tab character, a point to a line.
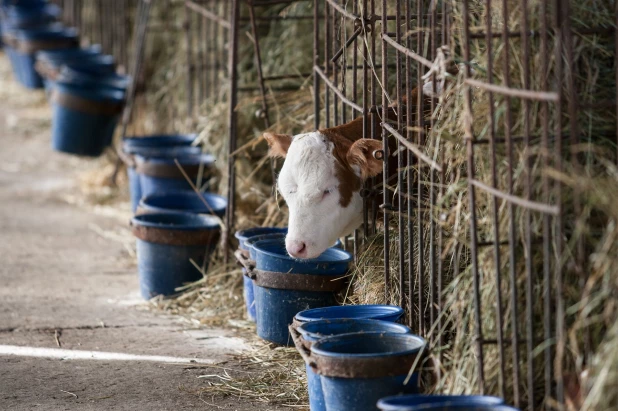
302	350
245	262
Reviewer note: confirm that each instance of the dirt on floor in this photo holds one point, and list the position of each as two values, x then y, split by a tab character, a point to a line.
74	332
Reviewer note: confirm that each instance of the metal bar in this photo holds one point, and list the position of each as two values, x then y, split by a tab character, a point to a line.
348	43
410	173
527	215
400	165
385	170
511	211
512	92
316	62
334	88
232	121
547	281
413	148
190	69
335	5
494	210
559	309
208	14
472	197
420	212
407	51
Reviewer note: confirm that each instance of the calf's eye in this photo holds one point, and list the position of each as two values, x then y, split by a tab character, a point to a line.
326	192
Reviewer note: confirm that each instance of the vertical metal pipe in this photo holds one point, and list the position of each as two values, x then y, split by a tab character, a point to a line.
232	120
511	208
558	223
385	196
420	206
496	221
409	134
527	214
472	197
316	63
547	280
189	45
327	40
400	163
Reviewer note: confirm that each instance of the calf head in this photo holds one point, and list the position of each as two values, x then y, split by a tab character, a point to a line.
320	181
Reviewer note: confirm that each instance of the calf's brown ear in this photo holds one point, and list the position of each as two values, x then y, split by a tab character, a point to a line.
278	143
361	155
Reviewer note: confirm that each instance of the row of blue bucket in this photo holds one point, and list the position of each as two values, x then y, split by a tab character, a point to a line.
176	228
357	356
86	93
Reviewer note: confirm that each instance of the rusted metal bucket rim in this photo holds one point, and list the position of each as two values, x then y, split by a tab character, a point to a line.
177	237
298	282
76	103
171	170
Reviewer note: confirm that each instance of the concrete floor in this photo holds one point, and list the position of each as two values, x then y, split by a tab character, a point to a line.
64	286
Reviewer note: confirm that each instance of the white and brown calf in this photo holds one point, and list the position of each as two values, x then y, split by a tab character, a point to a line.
321	179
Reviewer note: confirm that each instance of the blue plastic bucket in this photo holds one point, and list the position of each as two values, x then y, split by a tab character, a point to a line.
365	311
161	173
29	42
242	236
314	331
283	286
356	370
166	245
183	201
84	120
419	402
152	146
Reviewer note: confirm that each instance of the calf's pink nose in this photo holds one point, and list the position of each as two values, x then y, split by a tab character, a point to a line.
296	248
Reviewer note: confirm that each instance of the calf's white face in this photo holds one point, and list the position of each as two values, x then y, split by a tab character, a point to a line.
320	181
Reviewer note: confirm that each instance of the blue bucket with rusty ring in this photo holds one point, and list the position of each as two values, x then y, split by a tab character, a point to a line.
84	120
152	146
243	255
161	173
168	246
283	286
183	201
362	311
25	45
420	402
314	331
356	370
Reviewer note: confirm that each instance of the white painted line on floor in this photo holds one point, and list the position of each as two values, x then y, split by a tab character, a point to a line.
94	355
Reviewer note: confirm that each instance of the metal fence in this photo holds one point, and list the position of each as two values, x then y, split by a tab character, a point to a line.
370	55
